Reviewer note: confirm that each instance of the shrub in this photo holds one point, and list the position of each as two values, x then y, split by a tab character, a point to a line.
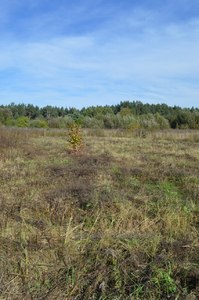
109	121
75	138
149	122
162	122
60	122
22	122
39	123
94	123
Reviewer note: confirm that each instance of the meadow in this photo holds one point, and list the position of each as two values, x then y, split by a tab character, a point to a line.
116	221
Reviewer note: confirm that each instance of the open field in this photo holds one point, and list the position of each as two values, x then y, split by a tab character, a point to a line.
117	221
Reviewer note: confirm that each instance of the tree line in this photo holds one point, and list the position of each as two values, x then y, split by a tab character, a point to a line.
125	115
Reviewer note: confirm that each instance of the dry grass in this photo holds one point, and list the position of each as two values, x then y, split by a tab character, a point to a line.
118	221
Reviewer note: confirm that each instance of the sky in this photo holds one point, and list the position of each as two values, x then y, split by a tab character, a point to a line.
96	52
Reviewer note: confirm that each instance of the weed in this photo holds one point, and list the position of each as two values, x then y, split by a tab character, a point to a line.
163	280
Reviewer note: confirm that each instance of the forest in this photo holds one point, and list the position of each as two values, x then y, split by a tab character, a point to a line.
126	115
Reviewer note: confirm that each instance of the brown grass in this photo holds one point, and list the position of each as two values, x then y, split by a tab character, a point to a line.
117	221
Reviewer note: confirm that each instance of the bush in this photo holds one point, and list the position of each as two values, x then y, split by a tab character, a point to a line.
149	122
162	122
22	122
94	123
75	138
129	122
10	122
60	122
109	121
39	123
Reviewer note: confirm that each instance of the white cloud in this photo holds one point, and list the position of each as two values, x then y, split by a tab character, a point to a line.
127	58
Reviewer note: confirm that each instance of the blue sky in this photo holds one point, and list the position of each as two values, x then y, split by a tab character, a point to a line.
97	52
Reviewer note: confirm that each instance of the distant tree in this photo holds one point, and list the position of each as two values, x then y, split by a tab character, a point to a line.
49	112
125	111
32	111
114	116
5	115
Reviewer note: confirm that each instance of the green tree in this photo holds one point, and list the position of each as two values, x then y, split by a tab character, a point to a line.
5	115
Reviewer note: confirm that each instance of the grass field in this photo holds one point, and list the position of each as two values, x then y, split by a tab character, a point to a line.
117	221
